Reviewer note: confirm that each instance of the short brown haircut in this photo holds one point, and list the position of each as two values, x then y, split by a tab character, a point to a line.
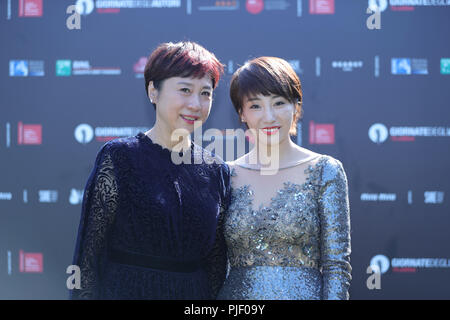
267	75
182	59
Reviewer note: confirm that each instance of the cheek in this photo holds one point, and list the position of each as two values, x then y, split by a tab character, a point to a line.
286	115
206	108
204	112
176	107
251	117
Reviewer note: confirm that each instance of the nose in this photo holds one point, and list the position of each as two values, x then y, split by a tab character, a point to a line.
268	116
194	103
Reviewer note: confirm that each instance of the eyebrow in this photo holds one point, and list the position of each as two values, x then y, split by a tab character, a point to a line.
255	98
191	85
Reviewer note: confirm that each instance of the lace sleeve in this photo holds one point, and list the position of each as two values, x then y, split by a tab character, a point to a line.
334	211
98	209
217	259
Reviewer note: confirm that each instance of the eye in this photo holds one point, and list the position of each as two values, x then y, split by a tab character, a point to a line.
206	93
185	90
279	103
254	106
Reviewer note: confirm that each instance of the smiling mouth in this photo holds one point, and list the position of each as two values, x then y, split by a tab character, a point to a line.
190	119
270	130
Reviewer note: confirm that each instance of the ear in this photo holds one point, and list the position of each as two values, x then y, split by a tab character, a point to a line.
241	117
152	92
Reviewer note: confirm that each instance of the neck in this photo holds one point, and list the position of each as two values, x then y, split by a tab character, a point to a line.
162	136
273	154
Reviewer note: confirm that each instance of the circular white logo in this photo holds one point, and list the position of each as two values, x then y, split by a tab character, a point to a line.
380	261
378	133
375	5
84	133
85	6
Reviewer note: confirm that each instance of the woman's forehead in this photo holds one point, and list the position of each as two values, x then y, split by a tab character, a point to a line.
253	96
204	82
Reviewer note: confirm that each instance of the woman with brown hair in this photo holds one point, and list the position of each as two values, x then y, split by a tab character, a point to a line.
288	226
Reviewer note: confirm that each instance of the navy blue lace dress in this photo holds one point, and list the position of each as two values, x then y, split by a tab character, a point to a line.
151	229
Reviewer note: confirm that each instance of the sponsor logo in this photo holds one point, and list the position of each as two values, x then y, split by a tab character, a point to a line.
30	8
445	65
84	133
18	68
25	68
229	5
378	197
379	133
321	6
409	133
408	5
407	66
48	196
83	68
380	261
434	197
5	195
31	262
400	66
29	134
346	65
378	5
320	133
276	5
63	68
85	7
257	6
405	5
76	196
254	6
408	264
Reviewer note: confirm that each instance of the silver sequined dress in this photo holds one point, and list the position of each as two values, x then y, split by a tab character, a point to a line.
297	246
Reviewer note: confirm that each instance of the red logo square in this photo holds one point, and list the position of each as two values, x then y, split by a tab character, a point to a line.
321	6
30	8
321	133
31	262
29	133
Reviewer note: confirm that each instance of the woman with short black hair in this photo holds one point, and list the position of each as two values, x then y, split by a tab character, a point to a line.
288	225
